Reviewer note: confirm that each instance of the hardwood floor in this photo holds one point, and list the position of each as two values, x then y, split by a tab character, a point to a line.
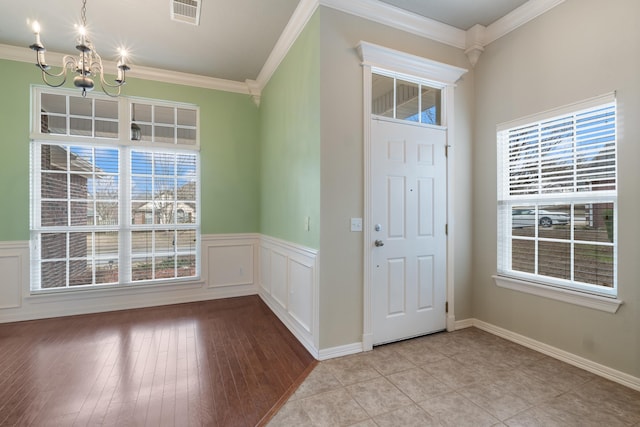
227	362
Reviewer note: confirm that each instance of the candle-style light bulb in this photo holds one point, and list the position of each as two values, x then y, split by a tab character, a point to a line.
122	65
38	46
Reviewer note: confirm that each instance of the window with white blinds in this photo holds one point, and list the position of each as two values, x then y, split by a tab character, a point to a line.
109	209
557	197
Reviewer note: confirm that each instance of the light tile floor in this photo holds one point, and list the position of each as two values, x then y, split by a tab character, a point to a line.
464	378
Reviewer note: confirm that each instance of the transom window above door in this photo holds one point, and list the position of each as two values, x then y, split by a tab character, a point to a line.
405	99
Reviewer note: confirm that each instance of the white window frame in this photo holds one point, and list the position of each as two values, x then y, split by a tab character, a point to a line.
123	143
572	291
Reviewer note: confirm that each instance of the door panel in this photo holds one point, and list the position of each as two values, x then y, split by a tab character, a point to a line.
409	205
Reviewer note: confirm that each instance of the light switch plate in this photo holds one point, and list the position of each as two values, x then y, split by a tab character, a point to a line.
356	224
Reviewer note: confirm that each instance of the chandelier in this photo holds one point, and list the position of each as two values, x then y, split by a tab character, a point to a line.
87	64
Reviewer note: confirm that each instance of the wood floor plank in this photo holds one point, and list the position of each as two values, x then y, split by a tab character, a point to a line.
216	363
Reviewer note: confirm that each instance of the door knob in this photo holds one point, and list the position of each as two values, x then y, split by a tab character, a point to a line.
378	243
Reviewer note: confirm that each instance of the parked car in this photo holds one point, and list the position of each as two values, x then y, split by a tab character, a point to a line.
526	218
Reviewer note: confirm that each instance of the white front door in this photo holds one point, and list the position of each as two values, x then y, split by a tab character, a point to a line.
408	237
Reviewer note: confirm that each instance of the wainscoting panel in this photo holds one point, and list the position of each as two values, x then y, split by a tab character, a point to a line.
301	293
14	270
289	285
228	269
265	270
230	264
279	280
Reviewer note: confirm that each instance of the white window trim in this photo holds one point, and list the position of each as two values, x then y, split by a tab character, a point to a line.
599	300
602	303
124	145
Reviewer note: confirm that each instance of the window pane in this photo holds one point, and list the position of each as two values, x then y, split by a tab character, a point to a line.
555	222
106	244
54	213
431	106
53	245
594	264
164	134
554	259
106	109
53	274
54	103
80	127
165	267
142	268
523	218
107	213
165	241
407	99
55	125
187	117
186	136
141	113
164	164
107	271
164	115
186	265
54	157
598	223
79	213
141	163
106	129
142	242
523	254
79	106
382	97
186	241
53	185
80	245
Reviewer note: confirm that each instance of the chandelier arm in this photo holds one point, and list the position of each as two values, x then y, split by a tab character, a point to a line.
44	79
98	69
67	62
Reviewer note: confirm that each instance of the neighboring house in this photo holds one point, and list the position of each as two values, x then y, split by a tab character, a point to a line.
162	212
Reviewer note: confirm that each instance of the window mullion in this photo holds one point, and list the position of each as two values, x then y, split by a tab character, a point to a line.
124	199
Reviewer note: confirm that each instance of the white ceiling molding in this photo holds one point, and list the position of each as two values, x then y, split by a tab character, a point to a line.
24	54
294	27
401	19
520	16
439	73
475	43
471	41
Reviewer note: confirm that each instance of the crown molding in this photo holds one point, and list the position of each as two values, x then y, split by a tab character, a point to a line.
520	16
304	11
401	19
23	54
471	41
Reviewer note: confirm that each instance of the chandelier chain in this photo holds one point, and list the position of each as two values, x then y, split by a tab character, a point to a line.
83	13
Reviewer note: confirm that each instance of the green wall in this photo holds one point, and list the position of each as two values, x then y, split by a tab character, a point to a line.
290	144
229	151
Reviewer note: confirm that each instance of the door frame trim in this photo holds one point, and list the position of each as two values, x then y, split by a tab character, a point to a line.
439	75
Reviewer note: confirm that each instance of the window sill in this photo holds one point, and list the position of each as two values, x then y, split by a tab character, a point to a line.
54	294
610	305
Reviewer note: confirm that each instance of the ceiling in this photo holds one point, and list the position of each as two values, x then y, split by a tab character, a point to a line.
232	42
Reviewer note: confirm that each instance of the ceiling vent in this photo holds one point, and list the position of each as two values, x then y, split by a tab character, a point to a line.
186	11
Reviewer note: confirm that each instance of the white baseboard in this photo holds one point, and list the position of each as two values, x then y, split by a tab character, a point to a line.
342	350
465	323
564	356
